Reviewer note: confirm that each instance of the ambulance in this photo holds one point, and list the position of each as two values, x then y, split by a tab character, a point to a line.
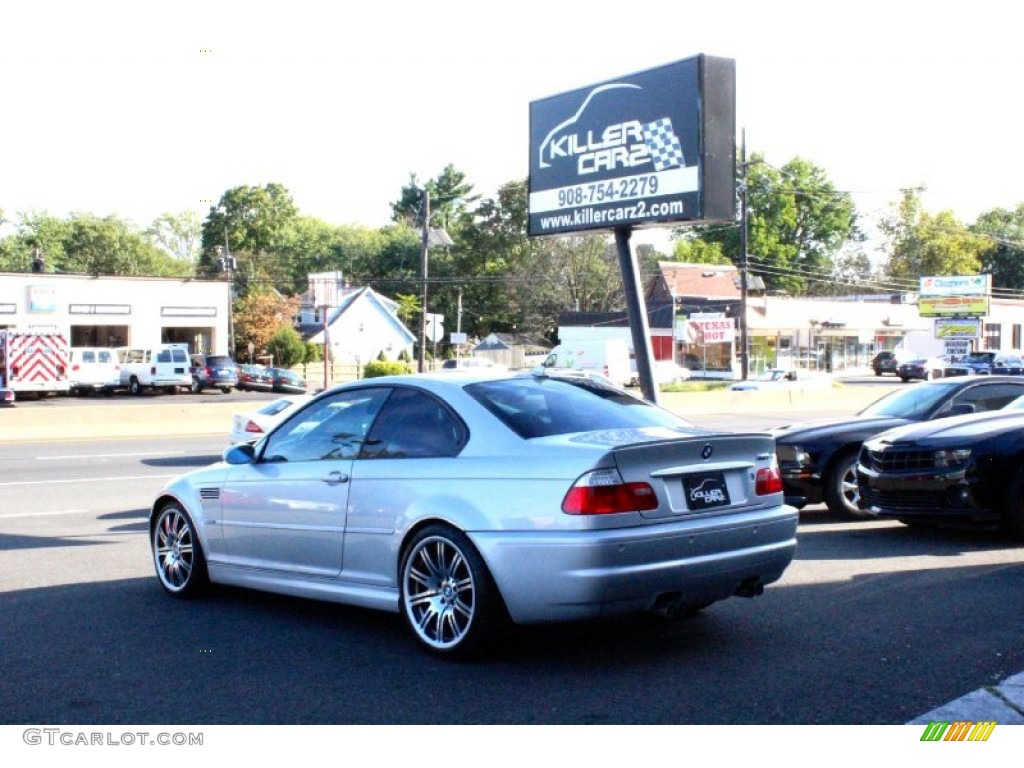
34	362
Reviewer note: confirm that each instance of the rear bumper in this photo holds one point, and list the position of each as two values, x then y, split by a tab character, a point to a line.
564	576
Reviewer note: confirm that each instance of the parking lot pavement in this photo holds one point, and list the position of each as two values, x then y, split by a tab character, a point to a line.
1002	704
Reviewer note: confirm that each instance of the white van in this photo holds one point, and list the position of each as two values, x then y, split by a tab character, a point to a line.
164	366
606	358
94	369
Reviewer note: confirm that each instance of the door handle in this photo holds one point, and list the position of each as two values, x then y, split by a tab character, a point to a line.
336	478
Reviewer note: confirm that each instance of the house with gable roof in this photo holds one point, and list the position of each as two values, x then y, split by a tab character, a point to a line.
359	323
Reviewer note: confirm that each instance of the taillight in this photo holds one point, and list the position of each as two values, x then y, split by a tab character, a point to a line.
76	367
768	480
603	492
252	426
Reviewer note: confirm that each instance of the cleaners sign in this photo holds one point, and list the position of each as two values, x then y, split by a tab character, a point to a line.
648	149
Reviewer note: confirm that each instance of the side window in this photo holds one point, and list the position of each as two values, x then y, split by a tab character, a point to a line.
413	424
988	397
330	428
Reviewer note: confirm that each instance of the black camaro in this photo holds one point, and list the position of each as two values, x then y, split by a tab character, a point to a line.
966	469
818	460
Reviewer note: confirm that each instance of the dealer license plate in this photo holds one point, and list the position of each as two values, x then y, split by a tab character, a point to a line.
706	490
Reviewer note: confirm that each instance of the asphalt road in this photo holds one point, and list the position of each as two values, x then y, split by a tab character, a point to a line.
874	623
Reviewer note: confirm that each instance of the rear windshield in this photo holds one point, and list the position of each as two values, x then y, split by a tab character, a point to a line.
542	406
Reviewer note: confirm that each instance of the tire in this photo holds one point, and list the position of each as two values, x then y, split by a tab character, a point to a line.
134	386
1012	523
195	388
841	492
904	379
177	554
447	596
226	390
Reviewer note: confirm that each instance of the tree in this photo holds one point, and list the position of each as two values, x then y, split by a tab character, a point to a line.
178	234
693	250
796	223
921	244
409	307
87	244
247	218
451	201
287	347
1003	257
259	316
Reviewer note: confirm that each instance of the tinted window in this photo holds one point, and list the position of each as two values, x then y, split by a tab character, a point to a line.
88	356
163	356
179	355
330	428
105	357
913	403
989	397
413	424
540	406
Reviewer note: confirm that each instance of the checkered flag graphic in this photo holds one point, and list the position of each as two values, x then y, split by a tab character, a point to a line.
663	144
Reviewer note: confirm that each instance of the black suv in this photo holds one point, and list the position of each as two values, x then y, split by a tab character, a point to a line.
213	371
885	362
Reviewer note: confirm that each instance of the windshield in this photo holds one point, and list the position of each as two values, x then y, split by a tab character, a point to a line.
913	403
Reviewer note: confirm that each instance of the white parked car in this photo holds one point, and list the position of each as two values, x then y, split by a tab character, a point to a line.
250	426
665	372
471	363
780	378
94	369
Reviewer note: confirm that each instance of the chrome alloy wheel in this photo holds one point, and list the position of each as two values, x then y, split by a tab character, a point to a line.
176	552
439	592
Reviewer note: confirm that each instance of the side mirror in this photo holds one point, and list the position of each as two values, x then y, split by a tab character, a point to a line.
243	453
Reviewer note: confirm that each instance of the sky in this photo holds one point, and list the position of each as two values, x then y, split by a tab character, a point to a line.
140	108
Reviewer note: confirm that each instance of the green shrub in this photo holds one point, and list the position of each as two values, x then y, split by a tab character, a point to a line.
377	368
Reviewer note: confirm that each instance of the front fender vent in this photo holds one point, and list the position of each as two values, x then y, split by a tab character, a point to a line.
209	494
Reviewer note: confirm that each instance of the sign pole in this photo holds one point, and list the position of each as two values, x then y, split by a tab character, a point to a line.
639	328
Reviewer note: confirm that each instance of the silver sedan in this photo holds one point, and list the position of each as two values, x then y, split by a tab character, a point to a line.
461	500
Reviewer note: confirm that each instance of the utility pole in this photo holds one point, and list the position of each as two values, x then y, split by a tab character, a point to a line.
744	262
423	277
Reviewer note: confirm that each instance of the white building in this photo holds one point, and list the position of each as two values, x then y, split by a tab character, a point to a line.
360	323
119	311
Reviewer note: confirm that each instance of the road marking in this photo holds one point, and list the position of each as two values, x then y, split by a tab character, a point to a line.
108	455
47	514
88	480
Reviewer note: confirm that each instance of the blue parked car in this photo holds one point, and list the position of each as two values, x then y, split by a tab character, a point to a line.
1008	365
974	363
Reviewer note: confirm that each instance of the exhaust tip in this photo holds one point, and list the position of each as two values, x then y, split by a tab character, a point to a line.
752	587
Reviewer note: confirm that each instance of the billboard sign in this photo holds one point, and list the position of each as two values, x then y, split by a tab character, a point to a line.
959	328
952	306
714	331
956	285
652	148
